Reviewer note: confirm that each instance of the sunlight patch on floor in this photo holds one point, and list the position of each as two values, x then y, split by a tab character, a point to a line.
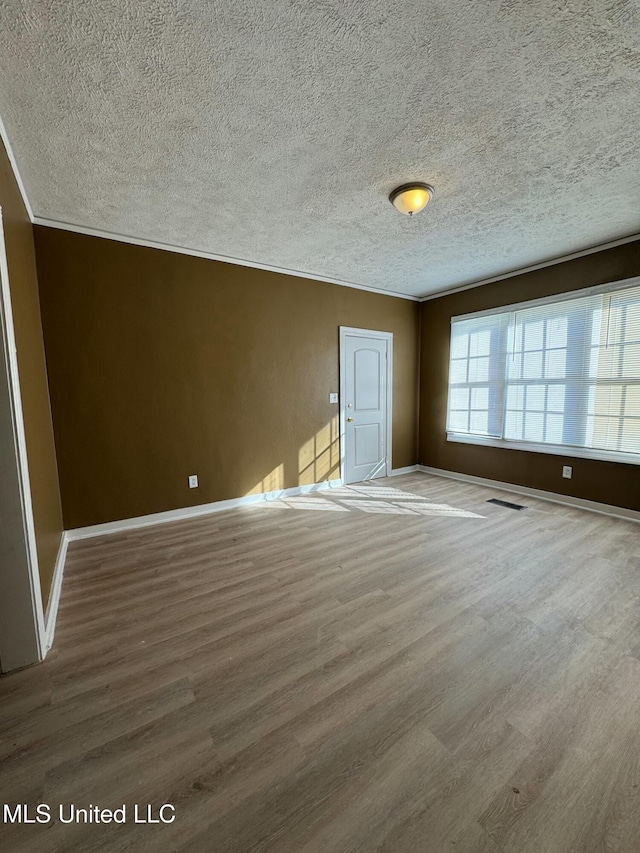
440	509
305	503
375	506
369	499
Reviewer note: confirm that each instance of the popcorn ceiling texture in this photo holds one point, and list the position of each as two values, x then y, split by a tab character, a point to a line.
273	132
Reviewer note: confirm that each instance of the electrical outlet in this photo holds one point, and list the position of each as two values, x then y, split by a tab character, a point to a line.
567	472
333	397
193	481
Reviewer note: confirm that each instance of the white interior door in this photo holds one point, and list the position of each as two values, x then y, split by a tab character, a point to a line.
366	404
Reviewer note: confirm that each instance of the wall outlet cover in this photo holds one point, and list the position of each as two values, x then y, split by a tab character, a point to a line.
193	481
567	472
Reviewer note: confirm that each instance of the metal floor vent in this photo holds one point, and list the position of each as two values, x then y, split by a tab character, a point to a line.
505	503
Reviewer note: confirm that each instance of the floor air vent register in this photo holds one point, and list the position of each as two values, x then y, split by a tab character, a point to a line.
505	503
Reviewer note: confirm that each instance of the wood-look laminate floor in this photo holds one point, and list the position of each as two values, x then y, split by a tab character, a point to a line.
400	667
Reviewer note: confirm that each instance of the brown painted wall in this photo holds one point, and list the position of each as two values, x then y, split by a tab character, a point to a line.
607	482
45	493
163	365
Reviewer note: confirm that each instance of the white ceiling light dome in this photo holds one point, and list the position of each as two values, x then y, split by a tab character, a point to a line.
411	198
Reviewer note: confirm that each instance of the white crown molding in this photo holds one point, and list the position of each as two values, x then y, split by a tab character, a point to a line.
16	171
194	511
54	595
602	247
552	497
211	256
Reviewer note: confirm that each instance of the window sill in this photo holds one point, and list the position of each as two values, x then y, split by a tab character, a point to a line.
553	449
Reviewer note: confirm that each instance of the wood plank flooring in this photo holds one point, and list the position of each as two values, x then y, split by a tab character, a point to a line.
397	667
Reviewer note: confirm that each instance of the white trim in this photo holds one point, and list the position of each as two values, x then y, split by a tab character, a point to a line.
408	469
194	511
221	506
26	643
196	253
602	247
212	256
16	171
520	308
566	296
567	450
54	595
21	440
552	497
125	238
352	331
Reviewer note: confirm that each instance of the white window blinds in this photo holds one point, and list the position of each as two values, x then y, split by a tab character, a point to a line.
564	373
476	375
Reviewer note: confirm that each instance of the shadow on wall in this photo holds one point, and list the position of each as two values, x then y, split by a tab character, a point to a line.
319	458
318	461
273	482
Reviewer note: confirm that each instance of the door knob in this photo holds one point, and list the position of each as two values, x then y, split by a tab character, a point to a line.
349	420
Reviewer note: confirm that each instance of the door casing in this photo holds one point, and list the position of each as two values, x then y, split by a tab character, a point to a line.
22	631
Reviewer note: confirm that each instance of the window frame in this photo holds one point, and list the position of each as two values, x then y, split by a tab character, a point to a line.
566	450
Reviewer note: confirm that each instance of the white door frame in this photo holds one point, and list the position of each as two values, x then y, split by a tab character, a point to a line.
22	631
350	331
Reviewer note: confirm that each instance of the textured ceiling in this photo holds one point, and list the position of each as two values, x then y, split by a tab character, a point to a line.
273	132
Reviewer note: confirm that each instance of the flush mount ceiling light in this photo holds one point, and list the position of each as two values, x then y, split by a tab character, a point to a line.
411	198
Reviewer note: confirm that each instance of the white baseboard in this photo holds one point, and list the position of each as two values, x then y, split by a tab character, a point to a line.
553	497
221	506
147	521
194	511
408	469
54	594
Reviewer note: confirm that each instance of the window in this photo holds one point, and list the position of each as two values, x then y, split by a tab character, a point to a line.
557	375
